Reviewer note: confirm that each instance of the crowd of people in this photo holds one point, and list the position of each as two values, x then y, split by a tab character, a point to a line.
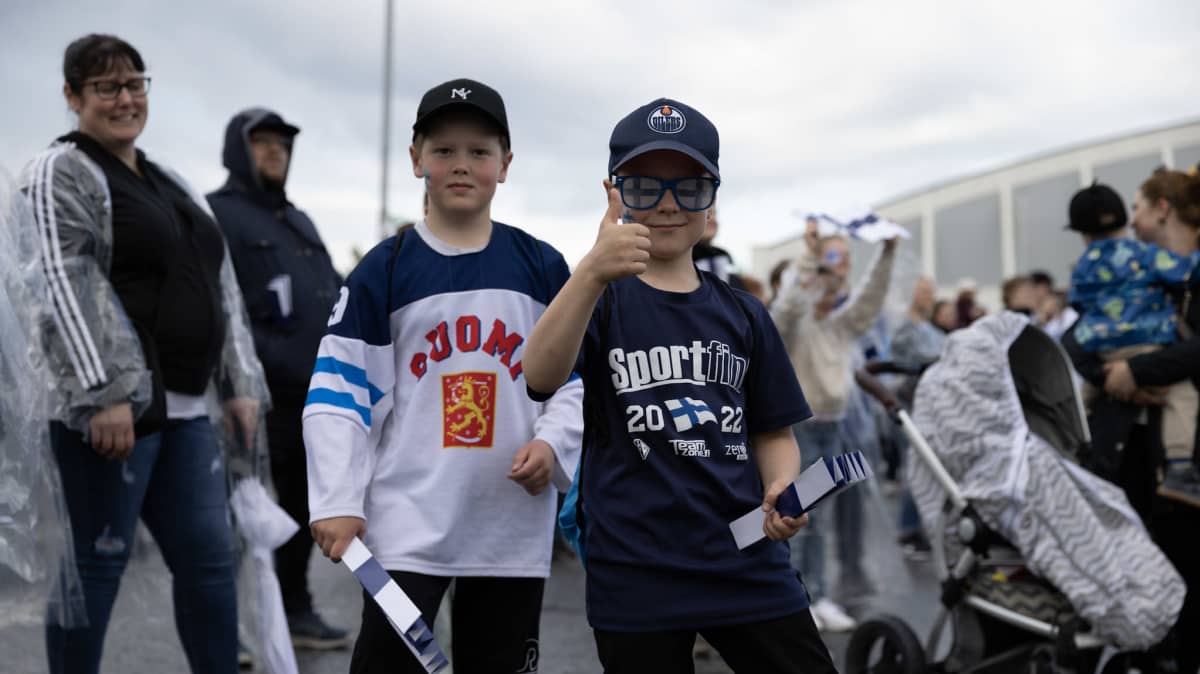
1126	321
435	401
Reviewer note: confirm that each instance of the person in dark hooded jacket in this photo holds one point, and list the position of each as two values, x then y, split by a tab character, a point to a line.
290	286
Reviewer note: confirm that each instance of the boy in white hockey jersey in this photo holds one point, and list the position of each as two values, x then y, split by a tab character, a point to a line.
419	431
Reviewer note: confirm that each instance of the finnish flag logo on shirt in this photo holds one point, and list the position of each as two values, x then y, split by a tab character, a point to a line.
689	412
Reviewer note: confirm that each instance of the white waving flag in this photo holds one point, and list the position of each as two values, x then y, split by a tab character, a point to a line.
861	224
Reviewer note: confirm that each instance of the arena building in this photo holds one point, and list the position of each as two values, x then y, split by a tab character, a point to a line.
995	224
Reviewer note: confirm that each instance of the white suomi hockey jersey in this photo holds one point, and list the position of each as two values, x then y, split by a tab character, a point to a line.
417	406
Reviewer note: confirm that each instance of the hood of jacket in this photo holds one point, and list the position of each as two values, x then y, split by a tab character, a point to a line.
243	175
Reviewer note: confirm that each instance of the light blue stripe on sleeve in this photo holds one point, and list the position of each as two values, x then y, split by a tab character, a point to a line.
351	373
324	396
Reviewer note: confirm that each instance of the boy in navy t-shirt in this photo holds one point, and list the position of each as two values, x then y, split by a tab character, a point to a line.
689	399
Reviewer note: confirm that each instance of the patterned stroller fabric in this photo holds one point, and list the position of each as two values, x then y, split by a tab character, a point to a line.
1074	529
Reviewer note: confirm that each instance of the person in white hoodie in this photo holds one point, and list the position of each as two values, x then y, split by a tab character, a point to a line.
820	324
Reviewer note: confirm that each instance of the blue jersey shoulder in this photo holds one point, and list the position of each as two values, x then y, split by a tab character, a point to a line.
361	311
512	260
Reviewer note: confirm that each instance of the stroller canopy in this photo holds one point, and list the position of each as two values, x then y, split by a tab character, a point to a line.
1000	411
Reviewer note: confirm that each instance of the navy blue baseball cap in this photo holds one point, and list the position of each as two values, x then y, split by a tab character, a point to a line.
664	124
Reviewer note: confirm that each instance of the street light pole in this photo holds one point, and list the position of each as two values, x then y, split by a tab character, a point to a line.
387	121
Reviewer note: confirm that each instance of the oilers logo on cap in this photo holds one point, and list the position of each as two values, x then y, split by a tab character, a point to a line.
665	119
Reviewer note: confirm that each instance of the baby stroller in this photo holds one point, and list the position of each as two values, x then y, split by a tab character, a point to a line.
1043	566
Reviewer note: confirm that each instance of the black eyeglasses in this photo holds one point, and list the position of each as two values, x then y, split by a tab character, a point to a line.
642	193
110	89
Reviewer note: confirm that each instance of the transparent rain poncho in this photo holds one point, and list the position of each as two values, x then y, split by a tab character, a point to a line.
38	579
93	354
69	376
260	525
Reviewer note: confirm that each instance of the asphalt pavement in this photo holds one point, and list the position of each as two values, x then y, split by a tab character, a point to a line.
142	638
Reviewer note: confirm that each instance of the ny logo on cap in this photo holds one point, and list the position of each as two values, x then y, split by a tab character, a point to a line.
461	93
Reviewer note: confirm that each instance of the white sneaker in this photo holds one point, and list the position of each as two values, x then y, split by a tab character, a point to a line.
831	618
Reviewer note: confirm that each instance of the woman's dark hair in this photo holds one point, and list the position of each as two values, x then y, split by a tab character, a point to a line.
97	54
1042	278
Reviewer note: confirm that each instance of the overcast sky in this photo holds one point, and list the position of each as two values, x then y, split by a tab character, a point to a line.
821	105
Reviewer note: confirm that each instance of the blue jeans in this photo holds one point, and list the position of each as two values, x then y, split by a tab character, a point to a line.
910	519
175	480
827	439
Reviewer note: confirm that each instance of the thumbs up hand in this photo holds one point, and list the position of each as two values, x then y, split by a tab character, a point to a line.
621	249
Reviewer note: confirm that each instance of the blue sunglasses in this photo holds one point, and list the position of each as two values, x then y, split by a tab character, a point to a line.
642	193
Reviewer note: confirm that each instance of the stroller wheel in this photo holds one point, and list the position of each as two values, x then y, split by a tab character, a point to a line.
884	645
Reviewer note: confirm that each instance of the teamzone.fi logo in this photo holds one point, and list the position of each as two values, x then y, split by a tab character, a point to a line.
666	119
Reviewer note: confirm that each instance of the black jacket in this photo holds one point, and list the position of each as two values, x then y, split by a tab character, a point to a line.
166	268
270	240
1178	361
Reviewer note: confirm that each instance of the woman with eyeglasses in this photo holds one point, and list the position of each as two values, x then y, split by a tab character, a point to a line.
147	322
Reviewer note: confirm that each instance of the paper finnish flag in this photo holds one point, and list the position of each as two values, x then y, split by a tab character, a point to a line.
819	481
859	223
401	612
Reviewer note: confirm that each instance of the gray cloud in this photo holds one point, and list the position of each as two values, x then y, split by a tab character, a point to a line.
818	103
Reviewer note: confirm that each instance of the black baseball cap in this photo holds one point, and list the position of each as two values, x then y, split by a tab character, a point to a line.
269	120
1096	209
665	124
462	93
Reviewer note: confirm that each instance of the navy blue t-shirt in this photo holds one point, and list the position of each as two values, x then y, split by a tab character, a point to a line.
674	388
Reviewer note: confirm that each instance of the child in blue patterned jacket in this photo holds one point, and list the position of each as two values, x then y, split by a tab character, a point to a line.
1119	287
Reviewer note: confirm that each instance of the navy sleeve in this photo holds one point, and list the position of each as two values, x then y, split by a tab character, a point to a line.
355	373
361	311
773	396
